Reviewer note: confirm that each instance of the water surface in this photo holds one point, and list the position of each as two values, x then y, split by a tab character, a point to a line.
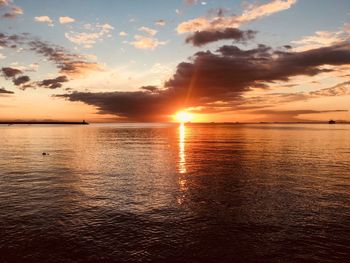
164	192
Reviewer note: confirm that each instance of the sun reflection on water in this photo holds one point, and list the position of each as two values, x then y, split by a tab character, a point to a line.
182	154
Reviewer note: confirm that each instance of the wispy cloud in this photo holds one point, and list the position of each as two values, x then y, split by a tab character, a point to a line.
91	36
12	10
147	30
251	13
322	39
4	3
160	22
5	91
144	42
69	65
289	115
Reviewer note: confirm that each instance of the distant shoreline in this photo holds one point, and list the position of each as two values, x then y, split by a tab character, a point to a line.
43	122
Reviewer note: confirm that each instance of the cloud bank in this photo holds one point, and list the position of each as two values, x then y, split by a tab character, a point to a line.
211	77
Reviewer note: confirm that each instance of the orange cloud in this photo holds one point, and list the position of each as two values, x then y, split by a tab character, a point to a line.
252	12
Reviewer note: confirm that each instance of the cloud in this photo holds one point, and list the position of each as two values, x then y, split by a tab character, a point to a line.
152	89
149	106
148	31
43	19
322	39
4	3
341	89
142	42
70	64
290	115
201	38
122	34
53	83
251	13
15	75
10	72
3	90
13	12
33	67
66	20
89	38
21	80
210	77
190	2
11	41
2	56
160	22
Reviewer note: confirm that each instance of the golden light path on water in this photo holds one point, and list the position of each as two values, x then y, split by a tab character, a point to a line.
182	164
182	154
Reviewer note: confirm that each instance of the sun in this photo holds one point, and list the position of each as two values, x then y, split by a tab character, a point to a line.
183	116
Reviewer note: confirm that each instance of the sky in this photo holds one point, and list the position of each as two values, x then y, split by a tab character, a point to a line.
146	60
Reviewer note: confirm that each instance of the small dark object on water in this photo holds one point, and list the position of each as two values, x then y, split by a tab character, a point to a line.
44	153
331	122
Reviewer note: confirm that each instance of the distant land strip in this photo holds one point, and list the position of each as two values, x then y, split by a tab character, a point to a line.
44	122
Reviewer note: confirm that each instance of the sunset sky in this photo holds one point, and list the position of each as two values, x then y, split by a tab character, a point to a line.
146	60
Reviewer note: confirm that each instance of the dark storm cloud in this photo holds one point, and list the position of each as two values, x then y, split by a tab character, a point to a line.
201	38
10	72
53	83
4	91
209	77
140	105
235	70
21	80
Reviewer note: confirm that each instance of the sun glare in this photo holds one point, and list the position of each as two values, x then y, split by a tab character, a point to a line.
183	116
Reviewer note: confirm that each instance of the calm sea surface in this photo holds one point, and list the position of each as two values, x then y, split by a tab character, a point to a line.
170	193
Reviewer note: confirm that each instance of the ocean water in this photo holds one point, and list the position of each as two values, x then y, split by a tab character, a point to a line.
175	193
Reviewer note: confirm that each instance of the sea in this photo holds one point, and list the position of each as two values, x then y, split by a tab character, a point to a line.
160	192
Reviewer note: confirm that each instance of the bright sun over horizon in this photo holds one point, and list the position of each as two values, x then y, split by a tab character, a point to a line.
184	116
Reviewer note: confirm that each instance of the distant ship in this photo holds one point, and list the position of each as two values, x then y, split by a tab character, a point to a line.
331	122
